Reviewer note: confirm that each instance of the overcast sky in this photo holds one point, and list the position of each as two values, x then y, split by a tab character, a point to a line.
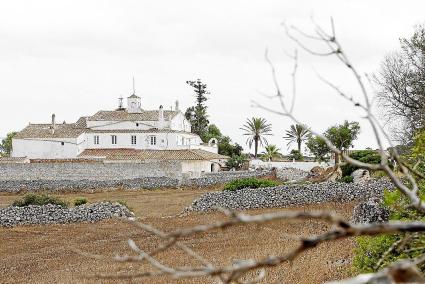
73	58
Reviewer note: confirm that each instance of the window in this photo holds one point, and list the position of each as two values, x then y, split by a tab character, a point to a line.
114	139
137	124
96	139
62	143
133	140
152	140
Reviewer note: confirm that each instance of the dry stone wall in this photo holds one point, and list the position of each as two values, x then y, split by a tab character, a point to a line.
88	176
290	195
209	179
291	174
87	185
87	171
55	214
99	176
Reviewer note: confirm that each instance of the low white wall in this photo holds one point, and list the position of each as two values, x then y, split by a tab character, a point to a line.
196	166
45	149
306	166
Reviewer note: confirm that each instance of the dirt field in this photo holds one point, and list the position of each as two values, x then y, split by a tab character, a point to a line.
41	254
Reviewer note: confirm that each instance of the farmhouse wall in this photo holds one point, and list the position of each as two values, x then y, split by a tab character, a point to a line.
59	148
196	166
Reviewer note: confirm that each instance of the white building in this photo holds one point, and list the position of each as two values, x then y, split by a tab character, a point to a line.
117	130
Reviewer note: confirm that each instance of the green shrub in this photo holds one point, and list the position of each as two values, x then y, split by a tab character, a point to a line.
39	199
249	183
80	201
296	155
346	179
236	161
379	174
371	249
365	156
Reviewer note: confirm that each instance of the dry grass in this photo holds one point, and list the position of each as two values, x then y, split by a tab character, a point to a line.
41	253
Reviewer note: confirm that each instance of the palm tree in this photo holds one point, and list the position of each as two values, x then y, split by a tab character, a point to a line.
256	128
298	133
271	152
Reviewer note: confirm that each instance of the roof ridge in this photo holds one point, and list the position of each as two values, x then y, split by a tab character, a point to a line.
199	153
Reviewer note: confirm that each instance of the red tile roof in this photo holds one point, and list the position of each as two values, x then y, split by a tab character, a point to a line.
134	154
123	115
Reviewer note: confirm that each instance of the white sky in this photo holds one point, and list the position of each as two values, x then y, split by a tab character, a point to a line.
73	58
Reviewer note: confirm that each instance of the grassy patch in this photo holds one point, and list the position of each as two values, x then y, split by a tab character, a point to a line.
346	179
249	183
39	199
80	201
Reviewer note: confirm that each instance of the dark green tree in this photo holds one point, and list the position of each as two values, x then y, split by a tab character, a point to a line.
236	161
197	115
296	155
317	146
256	129
6	144
342	136
225	145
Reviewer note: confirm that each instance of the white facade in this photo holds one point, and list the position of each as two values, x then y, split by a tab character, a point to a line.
160	140
131	128
60	148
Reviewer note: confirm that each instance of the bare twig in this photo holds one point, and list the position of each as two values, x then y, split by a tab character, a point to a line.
340	229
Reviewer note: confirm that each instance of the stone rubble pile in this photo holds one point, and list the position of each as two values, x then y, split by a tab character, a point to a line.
56	214
370	212
209	179
291	174
360	176
290	195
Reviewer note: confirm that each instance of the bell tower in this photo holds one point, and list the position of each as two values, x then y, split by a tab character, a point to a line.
133	102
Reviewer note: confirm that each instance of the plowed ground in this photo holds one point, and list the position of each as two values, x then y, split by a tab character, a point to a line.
44	254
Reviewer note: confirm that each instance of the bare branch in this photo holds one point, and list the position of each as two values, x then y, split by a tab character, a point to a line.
340	229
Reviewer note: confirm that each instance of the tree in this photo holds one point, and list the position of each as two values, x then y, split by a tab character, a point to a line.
236	161
296	155
342	136
256	128
317	146
212	132
298	133
197	115
271	152
225	145
402	86
6	144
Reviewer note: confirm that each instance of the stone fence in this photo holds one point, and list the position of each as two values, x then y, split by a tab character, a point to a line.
209	179
87	171
290	195
100	176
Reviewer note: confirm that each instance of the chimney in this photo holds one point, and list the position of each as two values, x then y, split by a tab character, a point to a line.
160	117
53	126
177	106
